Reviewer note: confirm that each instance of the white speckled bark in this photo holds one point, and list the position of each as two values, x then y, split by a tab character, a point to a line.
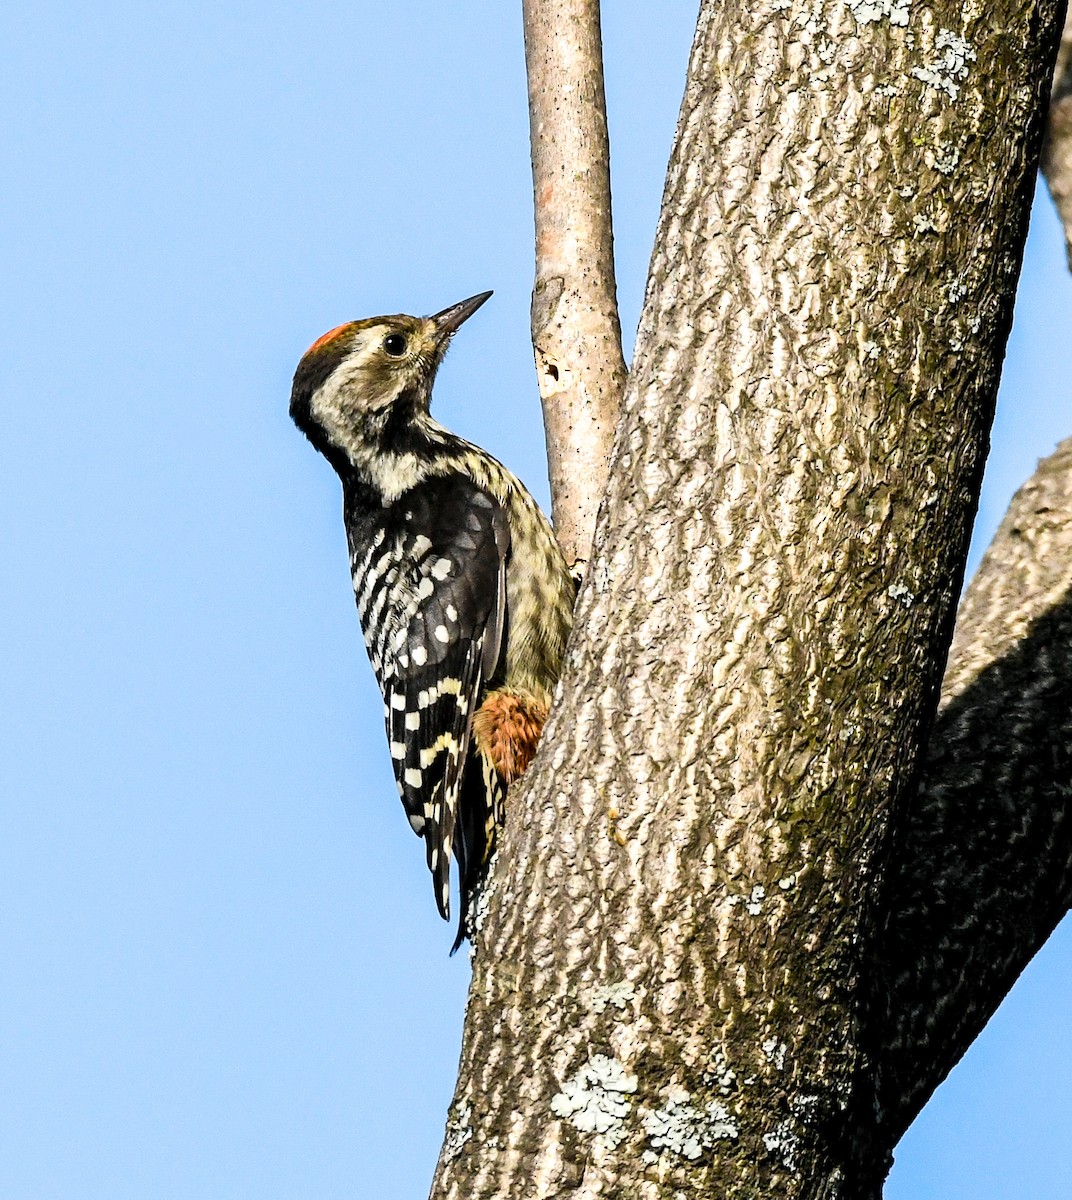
666	1000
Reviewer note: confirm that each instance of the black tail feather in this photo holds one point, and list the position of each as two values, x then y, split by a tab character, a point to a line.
474	839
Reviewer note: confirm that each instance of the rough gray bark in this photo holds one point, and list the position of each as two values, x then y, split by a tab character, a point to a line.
983	869
1057	150
667	996
576	335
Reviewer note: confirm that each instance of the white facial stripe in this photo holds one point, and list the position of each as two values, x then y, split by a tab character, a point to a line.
349	404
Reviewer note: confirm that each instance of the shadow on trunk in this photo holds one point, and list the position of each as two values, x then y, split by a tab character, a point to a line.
981	875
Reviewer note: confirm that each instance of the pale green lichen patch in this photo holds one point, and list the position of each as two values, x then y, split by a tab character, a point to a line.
720	1074
949	70
612	995
596	1099
679	1127
945	159
459	1131
753	902
955	291
774	1052
783	1143
868	12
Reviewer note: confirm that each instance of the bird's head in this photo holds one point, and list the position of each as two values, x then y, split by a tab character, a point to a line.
363	381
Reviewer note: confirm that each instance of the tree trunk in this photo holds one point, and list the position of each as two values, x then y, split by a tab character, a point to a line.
671	994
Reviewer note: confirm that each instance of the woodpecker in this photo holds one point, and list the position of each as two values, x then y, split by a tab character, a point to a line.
464	597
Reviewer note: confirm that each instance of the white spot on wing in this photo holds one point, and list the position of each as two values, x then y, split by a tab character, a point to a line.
445	741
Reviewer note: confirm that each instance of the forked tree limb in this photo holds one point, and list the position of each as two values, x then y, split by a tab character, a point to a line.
983	870
1057	151
576	334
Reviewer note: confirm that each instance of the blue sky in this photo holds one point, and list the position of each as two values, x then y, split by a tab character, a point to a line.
223	973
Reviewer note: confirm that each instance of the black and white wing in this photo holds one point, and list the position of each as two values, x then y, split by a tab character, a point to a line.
429	578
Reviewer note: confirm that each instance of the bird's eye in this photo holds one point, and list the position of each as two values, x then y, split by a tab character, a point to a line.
395	344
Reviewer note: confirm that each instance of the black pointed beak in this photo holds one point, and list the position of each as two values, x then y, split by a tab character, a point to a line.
450	319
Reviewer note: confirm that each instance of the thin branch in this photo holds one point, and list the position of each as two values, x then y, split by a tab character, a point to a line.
576	333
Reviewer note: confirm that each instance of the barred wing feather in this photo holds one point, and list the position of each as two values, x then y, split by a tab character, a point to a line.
430	587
